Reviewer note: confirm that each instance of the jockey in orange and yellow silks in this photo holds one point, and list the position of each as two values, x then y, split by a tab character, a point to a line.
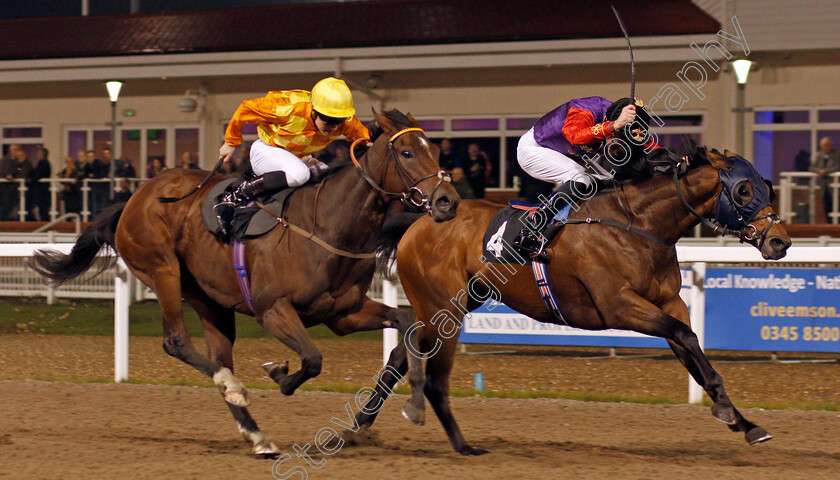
292	125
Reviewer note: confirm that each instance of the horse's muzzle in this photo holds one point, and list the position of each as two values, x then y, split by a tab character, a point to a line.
444	208
775	247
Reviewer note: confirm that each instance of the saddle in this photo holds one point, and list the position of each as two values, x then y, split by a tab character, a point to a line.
249	221
505	226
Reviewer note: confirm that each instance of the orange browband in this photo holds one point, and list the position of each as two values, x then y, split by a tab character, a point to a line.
405	130
393	137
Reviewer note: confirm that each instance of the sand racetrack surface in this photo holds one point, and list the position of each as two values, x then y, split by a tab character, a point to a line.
103	431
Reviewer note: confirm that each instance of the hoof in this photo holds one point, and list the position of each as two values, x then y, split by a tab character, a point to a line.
266	449
276	368
238	398
757	435
415	415
363	437
724	414
287	389
467	450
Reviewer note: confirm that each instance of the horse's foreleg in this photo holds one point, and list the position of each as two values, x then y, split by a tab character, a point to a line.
219	335
376	315
690	354
282	321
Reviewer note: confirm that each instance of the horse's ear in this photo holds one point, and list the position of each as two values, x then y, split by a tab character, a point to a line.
721	162
411	118
729	154
383	121
770	189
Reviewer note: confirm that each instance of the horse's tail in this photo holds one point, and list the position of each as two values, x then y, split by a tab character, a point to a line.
389	238
60	268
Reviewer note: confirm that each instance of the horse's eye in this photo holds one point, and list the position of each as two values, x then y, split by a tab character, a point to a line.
742	194
406	154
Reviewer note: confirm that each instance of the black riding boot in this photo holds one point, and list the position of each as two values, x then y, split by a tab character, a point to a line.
532	241
265	184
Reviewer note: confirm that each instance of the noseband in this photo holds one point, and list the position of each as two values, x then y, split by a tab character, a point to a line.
412	196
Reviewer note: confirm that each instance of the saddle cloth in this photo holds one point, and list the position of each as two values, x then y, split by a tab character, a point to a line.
505	226
250	220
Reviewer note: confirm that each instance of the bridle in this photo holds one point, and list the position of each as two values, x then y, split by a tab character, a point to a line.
412	196
744	219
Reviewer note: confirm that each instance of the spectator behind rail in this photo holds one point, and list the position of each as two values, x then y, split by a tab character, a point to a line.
70	193
16	167
826	162
38	193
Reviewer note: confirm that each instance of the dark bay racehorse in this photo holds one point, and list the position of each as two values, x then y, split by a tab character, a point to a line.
604	277
296	283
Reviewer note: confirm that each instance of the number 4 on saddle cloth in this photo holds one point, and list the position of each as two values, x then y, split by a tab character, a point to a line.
505	225
249	220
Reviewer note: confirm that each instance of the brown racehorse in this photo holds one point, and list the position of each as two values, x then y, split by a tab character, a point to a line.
295	282
604	277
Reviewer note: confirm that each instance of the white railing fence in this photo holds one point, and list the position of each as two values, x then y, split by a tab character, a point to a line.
791	183
57	205
788	188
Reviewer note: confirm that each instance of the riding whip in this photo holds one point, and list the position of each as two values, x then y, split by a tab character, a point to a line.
630	47
197	188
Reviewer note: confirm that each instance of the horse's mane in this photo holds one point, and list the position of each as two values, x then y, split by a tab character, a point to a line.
696	154
396	117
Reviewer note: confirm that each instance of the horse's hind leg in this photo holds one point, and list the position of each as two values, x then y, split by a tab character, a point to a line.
282	321
219	335
156	265
688	351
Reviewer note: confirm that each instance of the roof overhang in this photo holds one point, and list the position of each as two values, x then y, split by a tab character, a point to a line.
655	49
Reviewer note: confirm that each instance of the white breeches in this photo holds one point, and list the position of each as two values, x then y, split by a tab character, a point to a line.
265	158
547	165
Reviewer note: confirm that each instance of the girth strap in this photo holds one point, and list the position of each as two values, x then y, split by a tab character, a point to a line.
242	273
547	294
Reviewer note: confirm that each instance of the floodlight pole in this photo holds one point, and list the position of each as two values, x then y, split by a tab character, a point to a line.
113	87
113	150
739	125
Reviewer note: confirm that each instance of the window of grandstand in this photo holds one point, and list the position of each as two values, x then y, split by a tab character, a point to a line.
29	137
781	136
140	144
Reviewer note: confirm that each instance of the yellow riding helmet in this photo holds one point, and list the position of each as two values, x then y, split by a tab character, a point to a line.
332	97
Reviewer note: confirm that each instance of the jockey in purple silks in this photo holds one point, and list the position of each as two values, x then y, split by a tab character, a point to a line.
578	129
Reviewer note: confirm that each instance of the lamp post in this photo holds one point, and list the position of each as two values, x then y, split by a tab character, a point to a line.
113	87
742	70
